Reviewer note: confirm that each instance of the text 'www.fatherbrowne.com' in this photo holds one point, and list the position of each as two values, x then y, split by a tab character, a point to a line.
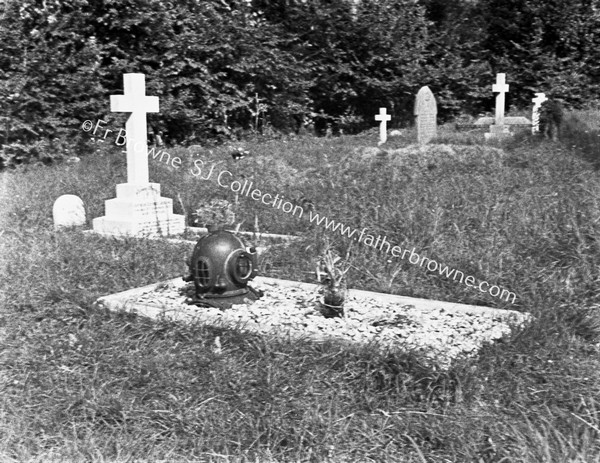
414	258
224	179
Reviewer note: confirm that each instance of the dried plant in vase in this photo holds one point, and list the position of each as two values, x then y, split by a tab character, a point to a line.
332	274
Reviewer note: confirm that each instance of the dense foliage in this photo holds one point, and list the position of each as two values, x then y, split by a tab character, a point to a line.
223	68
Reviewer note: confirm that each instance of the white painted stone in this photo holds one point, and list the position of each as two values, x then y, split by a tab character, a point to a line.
68	211
426	113
383	118
535	114
138	209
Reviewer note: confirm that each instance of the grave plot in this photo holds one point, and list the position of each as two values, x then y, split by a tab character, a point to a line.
439	331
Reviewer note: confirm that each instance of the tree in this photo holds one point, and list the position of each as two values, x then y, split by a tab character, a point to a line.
547	45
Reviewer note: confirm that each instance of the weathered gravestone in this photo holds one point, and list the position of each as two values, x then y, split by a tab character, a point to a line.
383	118
138	209
68	211
535	114
499	129
426	113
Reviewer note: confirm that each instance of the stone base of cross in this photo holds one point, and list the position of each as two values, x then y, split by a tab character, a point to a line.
138	209
497	132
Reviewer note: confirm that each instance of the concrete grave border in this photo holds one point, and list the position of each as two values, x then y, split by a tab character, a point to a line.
458	330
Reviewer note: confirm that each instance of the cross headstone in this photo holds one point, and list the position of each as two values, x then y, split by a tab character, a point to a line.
499	129
138	209
535	114
383	118
501	88
135	101
426	113
68	211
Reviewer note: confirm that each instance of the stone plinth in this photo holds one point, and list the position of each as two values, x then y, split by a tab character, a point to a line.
139	210
497	131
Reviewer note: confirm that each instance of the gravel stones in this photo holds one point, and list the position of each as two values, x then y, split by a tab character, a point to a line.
438	334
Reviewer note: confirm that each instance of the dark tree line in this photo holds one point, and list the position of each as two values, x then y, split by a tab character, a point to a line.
225	67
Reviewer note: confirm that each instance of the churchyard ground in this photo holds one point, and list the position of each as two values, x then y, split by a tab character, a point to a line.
82	384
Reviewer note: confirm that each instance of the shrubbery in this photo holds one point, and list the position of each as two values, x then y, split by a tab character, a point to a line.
226	68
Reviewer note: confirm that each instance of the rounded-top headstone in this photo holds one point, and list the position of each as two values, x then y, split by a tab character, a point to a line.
68	211
426	112
425	102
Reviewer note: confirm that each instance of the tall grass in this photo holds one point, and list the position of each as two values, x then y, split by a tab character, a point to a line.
81	384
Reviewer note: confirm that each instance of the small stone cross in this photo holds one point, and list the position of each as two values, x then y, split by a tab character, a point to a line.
535	114
500	87
135	101
383	118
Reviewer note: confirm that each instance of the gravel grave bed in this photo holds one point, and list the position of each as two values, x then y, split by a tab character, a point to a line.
437	334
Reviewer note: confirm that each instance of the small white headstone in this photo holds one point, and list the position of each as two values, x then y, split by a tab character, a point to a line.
383	118
535	114
426	112
68	211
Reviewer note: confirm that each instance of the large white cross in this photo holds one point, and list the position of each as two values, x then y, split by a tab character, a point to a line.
535	114
383	118
500	87
135	101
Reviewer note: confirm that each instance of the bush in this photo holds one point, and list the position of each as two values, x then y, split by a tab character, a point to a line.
576	133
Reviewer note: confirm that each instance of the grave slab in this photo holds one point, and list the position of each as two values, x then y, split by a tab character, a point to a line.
439	331
508	120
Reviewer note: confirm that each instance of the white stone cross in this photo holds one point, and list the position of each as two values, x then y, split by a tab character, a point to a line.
535	114
135	101
383	118
500	87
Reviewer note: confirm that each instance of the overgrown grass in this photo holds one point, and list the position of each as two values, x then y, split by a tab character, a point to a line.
82	384
581	132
